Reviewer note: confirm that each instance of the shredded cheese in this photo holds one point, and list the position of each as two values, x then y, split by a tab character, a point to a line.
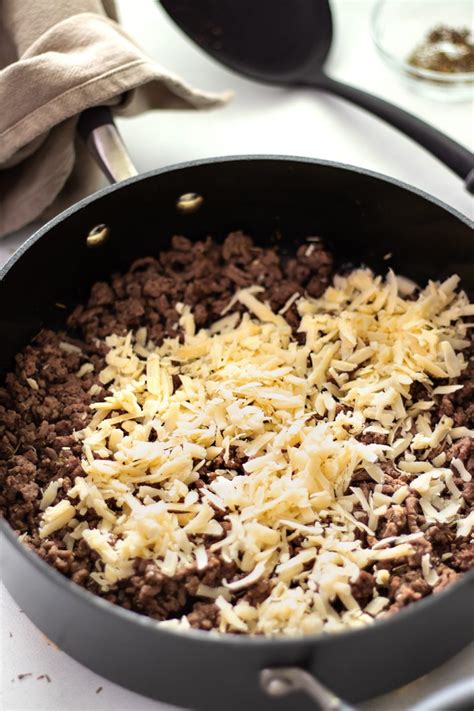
295	415
32	383
56	517
50	493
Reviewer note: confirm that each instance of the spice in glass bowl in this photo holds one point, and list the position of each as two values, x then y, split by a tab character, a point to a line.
445	49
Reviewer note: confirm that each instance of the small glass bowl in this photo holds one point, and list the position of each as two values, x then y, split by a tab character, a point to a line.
398	26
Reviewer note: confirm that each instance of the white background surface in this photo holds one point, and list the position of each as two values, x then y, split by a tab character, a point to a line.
259	120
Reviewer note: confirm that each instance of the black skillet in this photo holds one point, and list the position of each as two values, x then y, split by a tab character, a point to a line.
287	42
364	217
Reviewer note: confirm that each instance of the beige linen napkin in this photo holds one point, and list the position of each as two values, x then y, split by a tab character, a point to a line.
57	59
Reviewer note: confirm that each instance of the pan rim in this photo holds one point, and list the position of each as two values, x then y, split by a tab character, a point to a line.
217	160
241	641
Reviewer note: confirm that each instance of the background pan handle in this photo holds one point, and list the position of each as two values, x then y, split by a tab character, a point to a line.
98	130
281	681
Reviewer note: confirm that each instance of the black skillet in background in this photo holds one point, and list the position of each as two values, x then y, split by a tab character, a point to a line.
364	218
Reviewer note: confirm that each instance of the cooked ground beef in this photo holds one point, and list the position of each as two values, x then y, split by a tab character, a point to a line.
151	593
363	588
44	400
37	422
203	275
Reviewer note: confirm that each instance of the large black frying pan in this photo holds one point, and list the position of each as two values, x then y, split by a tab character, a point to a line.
364	217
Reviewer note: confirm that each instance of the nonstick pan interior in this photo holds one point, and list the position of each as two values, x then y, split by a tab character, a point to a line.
364	219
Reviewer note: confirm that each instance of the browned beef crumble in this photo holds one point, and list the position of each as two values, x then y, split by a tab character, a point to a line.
36	425
449	555
363	588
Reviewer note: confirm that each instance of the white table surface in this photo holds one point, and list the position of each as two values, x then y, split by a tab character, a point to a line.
259	120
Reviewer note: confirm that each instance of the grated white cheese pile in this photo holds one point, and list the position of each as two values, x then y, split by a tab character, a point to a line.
294	412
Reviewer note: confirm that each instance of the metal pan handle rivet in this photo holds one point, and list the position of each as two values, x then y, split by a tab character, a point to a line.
97	236
189	202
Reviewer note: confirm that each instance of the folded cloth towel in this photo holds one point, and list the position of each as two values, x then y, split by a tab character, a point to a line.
57	59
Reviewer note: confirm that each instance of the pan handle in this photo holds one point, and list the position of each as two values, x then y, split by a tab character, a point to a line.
281	681
99	132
